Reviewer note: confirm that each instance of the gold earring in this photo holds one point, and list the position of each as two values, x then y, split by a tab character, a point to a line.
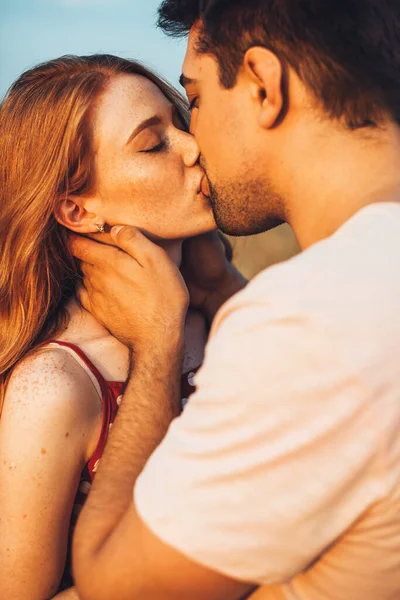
100	228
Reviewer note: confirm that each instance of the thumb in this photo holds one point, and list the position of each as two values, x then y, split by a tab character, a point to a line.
132	241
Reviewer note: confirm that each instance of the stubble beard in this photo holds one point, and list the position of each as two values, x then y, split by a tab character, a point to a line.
245	208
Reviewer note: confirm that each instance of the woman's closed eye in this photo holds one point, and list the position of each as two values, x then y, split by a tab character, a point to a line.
158	148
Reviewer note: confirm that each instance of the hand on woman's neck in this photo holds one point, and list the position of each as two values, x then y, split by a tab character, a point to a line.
82	322
172	247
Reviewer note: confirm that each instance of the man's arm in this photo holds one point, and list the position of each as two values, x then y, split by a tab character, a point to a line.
150	402
219	500
114	552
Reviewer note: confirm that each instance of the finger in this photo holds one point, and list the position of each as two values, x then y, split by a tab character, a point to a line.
89	277
100	282
89	251
132	241
101	238
83	298
91	300
104	277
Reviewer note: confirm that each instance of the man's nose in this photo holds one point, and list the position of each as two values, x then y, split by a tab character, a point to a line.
191	151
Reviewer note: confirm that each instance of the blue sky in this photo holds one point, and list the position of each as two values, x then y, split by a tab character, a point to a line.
32	31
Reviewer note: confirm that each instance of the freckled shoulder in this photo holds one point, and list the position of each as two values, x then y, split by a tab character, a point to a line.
48	427
49	386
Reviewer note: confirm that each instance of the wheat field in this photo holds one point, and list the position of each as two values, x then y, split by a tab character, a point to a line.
253	254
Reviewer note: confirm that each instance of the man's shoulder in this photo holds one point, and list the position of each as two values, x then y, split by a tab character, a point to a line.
360	258
345	287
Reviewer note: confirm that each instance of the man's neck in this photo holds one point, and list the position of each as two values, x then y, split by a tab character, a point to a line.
343	173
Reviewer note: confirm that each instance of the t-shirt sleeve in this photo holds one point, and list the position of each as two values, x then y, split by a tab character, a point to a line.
275	455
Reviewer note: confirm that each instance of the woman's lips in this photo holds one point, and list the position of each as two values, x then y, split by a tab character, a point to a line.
204	187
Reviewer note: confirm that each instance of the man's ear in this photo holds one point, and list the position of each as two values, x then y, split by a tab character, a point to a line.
73	213
264	71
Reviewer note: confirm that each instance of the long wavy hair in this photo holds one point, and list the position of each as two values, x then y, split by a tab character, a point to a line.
45	155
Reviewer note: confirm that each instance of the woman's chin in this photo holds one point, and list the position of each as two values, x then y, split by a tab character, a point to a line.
203	222
201	229
176	236
184	226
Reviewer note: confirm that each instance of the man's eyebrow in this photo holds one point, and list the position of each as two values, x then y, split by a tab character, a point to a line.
184	80
144	125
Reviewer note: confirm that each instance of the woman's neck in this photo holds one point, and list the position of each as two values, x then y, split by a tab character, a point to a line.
173	248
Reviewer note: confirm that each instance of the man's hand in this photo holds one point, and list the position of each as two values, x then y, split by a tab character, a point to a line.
209	275
133	288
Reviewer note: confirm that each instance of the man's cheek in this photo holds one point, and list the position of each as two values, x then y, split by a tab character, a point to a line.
193	123
207	135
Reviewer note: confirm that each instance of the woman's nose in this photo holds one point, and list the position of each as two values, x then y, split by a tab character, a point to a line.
191	151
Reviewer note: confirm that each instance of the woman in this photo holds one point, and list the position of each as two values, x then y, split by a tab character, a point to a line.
85	143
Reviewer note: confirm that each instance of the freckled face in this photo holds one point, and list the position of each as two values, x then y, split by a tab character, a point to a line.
146	163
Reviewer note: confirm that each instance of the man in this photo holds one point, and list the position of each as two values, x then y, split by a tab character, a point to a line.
284	469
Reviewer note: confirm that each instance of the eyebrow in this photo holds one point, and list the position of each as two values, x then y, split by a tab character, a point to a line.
155	120
184	80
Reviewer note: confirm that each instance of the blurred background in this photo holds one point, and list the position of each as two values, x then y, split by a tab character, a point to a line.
32	31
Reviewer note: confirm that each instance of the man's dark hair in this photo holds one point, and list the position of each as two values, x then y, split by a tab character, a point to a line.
346	52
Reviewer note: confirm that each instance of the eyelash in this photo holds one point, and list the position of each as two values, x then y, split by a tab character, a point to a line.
161	146
192	105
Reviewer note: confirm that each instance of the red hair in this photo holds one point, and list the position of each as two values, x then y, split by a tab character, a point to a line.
46	155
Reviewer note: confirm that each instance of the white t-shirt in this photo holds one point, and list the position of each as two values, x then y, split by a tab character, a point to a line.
284	469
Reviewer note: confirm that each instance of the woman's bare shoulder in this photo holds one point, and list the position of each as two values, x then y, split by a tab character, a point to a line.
51	387
49	421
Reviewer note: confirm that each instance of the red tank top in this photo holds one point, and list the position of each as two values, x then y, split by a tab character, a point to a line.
111	395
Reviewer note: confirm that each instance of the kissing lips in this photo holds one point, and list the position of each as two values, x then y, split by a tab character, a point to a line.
204	187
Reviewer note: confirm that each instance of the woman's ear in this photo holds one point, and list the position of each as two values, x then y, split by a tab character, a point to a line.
265	73
73	213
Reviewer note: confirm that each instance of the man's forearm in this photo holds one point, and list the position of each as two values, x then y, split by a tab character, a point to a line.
233	282
150	402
